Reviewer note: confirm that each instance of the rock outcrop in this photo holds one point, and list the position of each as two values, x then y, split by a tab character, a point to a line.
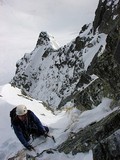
108	148
95	137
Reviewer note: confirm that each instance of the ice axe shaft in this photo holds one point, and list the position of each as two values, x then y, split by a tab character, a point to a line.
53	138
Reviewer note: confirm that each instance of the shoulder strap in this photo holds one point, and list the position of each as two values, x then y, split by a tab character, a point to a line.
13	115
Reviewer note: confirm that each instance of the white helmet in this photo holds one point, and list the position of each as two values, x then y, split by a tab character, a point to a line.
21	110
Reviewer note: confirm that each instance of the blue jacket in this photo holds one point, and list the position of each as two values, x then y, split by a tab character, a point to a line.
23	131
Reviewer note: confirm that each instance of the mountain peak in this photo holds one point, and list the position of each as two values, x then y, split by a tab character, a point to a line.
43	39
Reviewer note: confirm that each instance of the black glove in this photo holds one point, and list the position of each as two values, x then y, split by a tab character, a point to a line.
45	134
30	148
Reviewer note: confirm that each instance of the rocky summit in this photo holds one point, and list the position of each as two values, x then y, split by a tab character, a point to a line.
80	74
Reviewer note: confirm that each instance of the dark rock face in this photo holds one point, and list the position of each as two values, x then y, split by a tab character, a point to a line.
91	95
108	148
79	44
117	52
94	135
106	16
106	66
43	39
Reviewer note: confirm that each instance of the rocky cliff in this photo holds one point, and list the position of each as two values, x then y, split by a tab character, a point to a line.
102	137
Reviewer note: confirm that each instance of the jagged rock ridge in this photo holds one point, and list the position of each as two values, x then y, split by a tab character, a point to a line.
56	75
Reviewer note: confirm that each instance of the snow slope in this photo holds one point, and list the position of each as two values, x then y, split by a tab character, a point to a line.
60	124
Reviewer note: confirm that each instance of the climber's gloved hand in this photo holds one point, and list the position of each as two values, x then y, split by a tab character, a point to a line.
30	148
45	134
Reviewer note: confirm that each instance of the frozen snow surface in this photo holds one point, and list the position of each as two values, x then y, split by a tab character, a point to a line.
61	123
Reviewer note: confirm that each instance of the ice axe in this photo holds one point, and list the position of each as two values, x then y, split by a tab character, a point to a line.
52	137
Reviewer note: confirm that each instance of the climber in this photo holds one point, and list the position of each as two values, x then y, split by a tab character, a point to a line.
26	124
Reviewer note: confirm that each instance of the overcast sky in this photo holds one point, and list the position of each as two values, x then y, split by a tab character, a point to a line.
21	21
57	17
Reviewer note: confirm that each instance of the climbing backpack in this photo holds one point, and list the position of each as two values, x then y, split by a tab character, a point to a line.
13	115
